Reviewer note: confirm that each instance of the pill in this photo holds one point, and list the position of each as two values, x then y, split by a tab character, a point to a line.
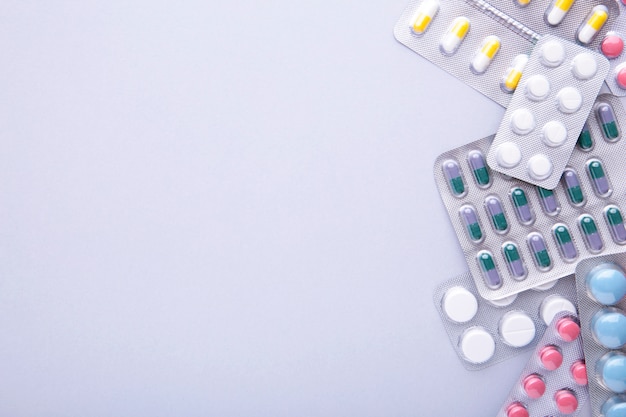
522	3
620	76
579	372
522	121
516	410
539	250
564	242
612	371
477	345
508	155
609	328
612	46
424	14
534	386
590	233
459	304
608	122
514	260
598	178
522	208
470	221
569	100
504	302
584	66
592	24
548	201
488	50
539	167
567	329
554	133
554	304
479	168
489	270
455	35
552	54
616	224
517	329
606	283
496	213
572	186
452	172
566	401
585	142
537	87
551	357
614	407
557	11
546	286
514	73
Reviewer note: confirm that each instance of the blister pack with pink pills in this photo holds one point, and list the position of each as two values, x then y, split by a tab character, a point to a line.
484	333
516	236
612	46
546	114
601	291
554	381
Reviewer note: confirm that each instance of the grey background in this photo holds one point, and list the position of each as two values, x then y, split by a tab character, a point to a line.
227	209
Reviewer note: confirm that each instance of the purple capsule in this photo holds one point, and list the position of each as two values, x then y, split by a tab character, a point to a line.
548	200
470	220
598	177
540	251
564	241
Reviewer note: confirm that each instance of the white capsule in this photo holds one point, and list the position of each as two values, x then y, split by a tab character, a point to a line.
455	35
592	24
488	50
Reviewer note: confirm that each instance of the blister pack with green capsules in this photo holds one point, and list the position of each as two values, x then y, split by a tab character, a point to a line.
516	236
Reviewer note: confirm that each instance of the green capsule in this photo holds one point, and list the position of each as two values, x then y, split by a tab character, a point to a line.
564	241
520	201
540	250
513	260
616	224
608	122
488	267
585	142
479	168
572	186
470	221
452	172
496	213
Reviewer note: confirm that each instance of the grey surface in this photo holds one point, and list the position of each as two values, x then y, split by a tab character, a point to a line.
227	209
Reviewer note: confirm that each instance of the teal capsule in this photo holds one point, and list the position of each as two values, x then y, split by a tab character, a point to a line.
572	186
539	250
488	267
479	168
513	260
598	177
548	201
452	172
564	242
590	233
470	221
585	142
496	213
608	121
520	202
616	224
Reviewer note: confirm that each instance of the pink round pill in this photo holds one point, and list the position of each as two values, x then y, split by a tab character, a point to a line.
566	401
612	46
534	386
624	2
568	329
579	372
550	357
516	410
620	77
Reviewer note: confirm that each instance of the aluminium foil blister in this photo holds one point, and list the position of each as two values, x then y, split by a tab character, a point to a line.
618	63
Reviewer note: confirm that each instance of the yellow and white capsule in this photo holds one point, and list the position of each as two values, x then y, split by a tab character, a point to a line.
514	73
557	11
424	14
488	50
454	36
522	3
592	24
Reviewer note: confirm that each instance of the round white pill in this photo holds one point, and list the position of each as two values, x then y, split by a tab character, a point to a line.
552	54
584	66
553	305
477	345
508	155
569	100
504	302
539	167
459	304
517	329
546	286
522	121
537	87
554	133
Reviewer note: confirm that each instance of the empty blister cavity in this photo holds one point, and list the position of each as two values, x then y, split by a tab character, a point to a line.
503	302
606	284
452	172
517	329
477	345
608	327
556	11
508	155
548	201
469	217
598	178
584	66
571	182
496	214
585	141
522	207
554	133
487	52
539	250
615	221
592	24
489	269
459	304
423	16
608	122
514	73
563	239
611	371
569	100
589	230
552	53
514	260
477	163
537	87
546	286
539	167
522	121
455	35
553	305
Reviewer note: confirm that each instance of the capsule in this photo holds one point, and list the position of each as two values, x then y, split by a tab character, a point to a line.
513	260
572	186
539	250
548	201
616	224
479	168
470	220
424	14
455	35
514	73
496	213
557	11
488	50
592	24
522	3
520	202
488	267
564	241
590	233
585	142
452	172
598	178
608	122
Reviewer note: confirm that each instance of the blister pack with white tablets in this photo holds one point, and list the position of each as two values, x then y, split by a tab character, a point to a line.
601	291
611	45
516	236
547	112
484	333
554	381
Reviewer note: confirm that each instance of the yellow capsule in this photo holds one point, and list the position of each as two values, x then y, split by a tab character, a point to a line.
592	25
488	50
557	11
424	14
522	3
454	36
514	73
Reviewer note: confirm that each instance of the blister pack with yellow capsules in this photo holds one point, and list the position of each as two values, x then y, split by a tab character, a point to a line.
516	236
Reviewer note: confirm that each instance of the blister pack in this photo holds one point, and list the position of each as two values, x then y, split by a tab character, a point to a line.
601	291
554	381
546	114
612	46
516	236
484	333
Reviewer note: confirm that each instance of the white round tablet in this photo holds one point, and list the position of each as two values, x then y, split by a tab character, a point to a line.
569	99
504	302
517	329
553	305
522	121
539	167
546	286
552	54
477	345
508	155
459	304
584	66
537	87
554	133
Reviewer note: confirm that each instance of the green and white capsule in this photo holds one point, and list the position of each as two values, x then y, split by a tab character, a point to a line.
548	201
470	221
588	227
522	208
563	239
488	267
538	248
616	224
598	178
496	214
452	172
608	121
514	260
585	141
477	163
572	187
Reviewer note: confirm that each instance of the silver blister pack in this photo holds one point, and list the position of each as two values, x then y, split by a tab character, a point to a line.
516	236
484	333
611	46
547	111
